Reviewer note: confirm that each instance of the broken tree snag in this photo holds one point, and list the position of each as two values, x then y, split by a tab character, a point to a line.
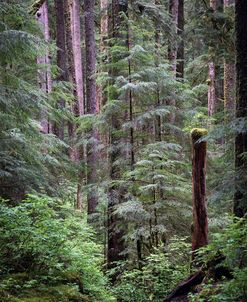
200	218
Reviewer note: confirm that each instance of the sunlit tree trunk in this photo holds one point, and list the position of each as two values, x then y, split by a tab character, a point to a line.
211	77
240	200
76	36
92	156
44	74
200	218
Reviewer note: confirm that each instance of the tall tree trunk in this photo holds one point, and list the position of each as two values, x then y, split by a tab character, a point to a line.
71	75
44	75
116	194
211	77
240	204
103	46
180	52
79	82
76	36
200	219
158	120
173	49
75	75
229	80
61	58
92	156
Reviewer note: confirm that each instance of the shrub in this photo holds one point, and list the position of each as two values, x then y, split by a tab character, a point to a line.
43	243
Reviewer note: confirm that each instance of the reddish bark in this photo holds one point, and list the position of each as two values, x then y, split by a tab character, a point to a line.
200	219
185	287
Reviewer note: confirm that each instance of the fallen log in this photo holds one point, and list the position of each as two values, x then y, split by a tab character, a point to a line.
186	286
213	269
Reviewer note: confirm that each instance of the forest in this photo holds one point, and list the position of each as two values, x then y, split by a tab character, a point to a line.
123	150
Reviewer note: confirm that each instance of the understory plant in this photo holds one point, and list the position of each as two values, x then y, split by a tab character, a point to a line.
162	270
231	246
44	245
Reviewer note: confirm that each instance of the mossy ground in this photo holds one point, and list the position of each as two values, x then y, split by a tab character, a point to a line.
62	293
14	289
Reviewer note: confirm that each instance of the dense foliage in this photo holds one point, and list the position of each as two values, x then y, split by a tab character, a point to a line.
48	250
231	246
127	150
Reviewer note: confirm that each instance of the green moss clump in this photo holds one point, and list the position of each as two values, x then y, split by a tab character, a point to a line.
197	133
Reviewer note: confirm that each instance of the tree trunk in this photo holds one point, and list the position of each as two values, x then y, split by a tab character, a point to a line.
173	50
172	55
61	58
200	220
101	98
92	156
44	75
76	36
180	52
240	204
75	75
211	77
229	80
116	194
71	75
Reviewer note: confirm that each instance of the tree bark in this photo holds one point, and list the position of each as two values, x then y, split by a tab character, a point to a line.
75	76
61	59
92	156
180	52
240	204
101	97
116	194
200	219
211	76
44	75
172	54
173	50
229	80
76	36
